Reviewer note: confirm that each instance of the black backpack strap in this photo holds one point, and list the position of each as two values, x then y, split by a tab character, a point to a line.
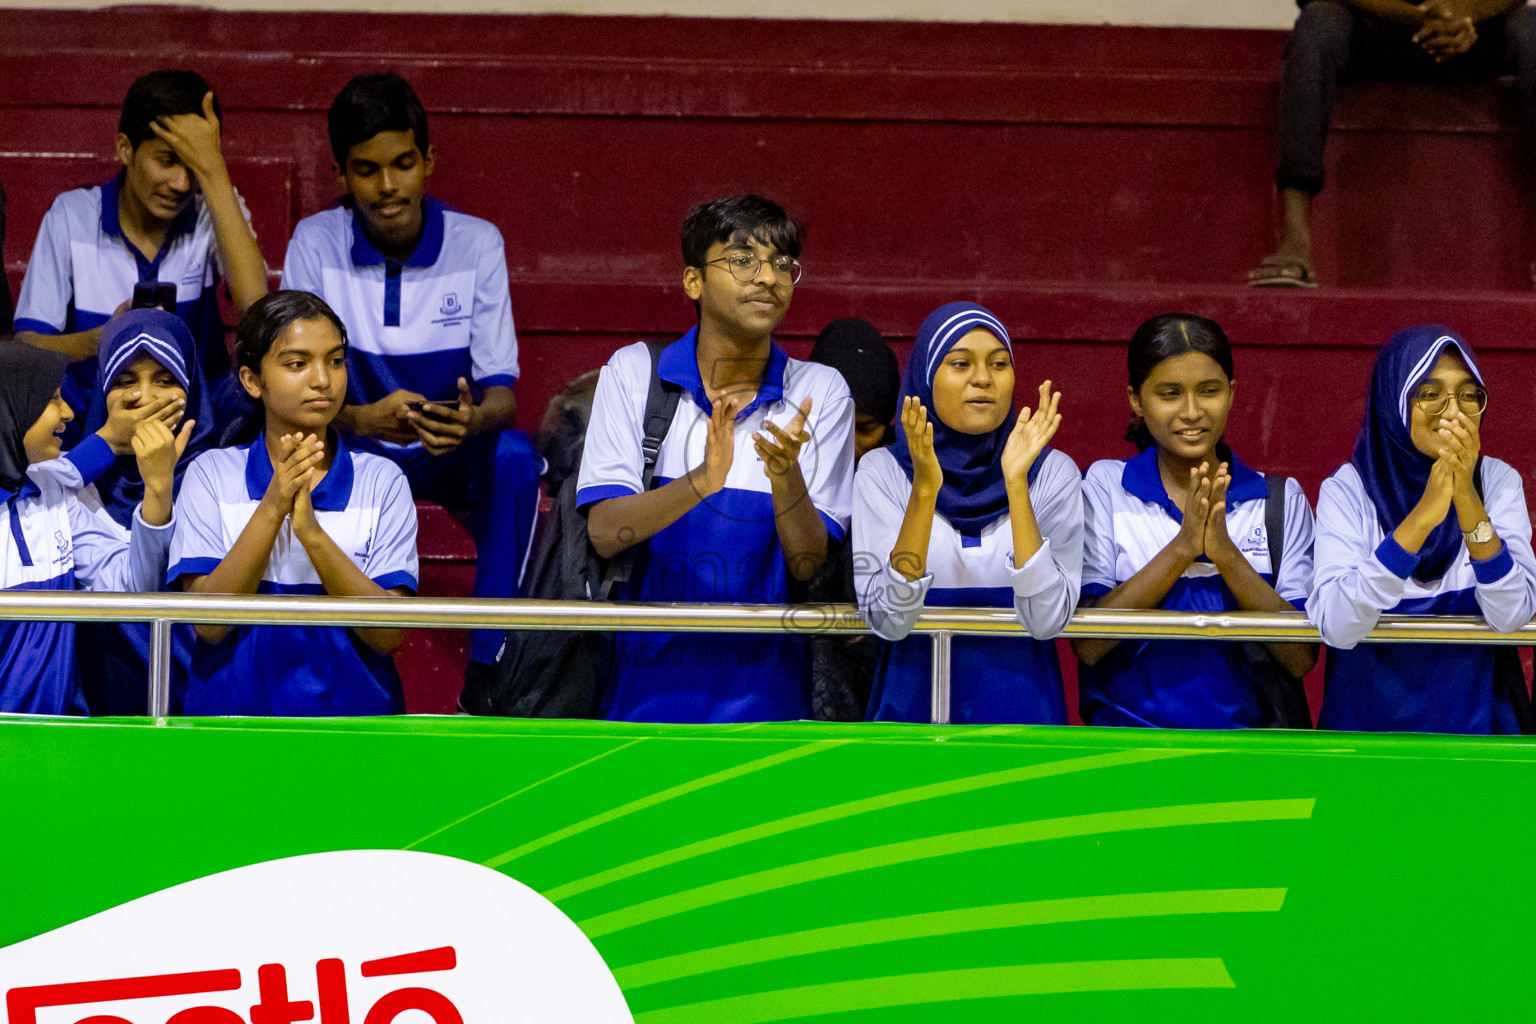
1274	523
660	407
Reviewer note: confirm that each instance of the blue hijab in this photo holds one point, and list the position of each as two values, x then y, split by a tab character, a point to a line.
166	338
974	494
1394	472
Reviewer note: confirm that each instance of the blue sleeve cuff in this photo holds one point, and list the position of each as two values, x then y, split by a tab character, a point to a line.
1495	568
1095	590
399	578
25	323
499	380
191	567
1399	562
833	529
92	457
586	497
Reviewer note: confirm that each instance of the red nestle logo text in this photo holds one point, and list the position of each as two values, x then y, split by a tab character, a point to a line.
331	1005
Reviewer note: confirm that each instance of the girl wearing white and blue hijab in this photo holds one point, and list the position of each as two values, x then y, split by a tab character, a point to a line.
969	507
55	541
1183	526
147	358
1420	522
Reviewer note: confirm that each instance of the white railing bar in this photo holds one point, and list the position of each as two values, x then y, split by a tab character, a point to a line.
472	613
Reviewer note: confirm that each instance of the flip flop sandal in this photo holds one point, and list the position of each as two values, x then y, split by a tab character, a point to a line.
1284	275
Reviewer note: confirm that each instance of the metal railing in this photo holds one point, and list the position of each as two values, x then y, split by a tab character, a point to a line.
162	611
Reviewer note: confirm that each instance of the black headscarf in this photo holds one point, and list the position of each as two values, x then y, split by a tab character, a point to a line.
855	349
29	377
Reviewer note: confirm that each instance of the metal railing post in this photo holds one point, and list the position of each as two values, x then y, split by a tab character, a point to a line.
940	673
160	668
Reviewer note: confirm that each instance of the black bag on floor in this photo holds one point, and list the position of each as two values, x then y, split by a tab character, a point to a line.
541	673
1282	696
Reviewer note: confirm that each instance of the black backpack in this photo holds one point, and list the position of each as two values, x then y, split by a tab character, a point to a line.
562	673
1282	696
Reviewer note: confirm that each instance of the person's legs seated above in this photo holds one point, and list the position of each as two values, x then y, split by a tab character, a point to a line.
433	360
1373	40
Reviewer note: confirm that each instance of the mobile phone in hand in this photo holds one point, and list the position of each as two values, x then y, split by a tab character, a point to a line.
421	409
155	295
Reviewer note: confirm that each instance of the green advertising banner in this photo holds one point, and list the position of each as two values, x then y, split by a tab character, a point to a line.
471	870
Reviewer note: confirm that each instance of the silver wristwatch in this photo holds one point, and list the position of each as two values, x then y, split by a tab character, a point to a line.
1482	533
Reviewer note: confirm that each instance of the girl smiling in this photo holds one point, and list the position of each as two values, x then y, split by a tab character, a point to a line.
1419	521
969	507
1183	526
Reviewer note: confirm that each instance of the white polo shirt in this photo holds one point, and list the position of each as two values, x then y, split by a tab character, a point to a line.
82	269
725	549
51	540
417	325
996	680
364	505
1363	572
1192	684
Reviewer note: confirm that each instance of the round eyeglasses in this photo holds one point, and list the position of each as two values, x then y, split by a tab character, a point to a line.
1434	399
744	266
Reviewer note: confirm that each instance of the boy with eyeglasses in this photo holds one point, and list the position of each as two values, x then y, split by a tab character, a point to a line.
432	364
754	474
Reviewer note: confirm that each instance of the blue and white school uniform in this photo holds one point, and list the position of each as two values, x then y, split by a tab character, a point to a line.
1182	684
55	541
364	505
995	680
419	325
726	548
1363	572
82	269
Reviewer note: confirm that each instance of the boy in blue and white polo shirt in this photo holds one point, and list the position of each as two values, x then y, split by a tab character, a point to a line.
170	215
754	475
433	358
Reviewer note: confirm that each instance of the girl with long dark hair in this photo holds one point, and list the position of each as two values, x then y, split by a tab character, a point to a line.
294	512
1185	525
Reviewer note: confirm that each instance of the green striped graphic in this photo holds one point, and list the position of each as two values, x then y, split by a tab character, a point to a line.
864	874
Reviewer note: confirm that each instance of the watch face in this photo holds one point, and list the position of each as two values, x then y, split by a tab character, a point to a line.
1482	533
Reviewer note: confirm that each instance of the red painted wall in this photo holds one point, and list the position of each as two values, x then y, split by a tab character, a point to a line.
1075	179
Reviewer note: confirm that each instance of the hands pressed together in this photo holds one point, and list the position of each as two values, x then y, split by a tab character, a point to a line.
293	479
1204	530
1446	30
1451	477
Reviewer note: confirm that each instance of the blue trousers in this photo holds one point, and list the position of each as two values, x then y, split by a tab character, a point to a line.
495	476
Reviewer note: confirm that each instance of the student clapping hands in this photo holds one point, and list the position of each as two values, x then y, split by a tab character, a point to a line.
297	512
989	515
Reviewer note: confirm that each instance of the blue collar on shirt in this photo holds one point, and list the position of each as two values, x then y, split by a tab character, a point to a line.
183	224
427	250
1141	479
28	490
679	364
334	492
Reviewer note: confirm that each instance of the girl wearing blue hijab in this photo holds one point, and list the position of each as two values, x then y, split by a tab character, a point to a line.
969	507
147	360
1186	525
1420	522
